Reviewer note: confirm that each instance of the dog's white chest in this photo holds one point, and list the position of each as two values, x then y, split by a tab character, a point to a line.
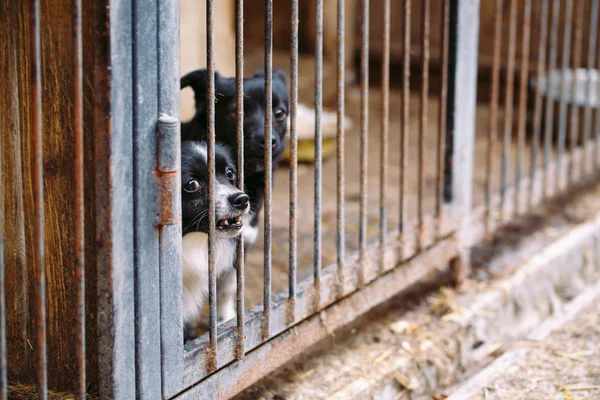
195	269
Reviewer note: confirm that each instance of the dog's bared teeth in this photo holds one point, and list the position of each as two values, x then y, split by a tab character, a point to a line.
226	223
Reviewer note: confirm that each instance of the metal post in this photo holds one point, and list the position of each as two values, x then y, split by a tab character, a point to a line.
462	99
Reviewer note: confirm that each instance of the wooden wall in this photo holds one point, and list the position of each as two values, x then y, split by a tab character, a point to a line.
58	147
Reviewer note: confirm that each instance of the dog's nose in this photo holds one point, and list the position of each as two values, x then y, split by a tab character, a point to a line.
273	142
239	201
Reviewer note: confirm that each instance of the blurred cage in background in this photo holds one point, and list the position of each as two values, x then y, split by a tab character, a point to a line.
437	160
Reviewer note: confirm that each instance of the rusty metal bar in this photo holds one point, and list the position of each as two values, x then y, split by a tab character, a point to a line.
588	113
3	354
318	142
564	93
442	126
405	129
210	127
340	136
596	128
549	104
508	106
385	123
522	117
79	196
293	238
537	113
493	117
239	91
364	130
35	75
268	164
424	117
577	56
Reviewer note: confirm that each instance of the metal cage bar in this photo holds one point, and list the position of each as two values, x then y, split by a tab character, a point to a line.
405	129
563	105
443	116
211	350
293	234
239	102
574	123
384	127
35	54
266	328
79	198
522	115
549	103
493	118
364	133
340	138
588	112
318	147
169	162
538	103
508	108
424	116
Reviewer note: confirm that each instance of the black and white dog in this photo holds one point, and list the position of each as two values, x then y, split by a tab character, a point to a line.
232	206
254	126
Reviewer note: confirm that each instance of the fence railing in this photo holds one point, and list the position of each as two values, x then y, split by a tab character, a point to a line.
94	149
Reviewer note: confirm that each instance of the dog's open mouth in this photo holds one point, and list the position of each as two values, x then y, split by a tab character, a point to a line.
230	223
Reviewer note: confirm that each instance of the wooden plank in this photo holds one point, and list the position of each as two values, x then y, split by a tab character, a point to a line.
19	356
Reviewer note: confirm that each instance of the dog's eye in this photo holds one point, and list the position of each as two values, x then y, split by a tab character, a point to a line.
230	174
191	186
280	114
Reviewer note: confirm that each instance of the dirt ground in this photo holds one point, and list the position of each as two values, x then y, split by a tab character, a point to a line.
564	366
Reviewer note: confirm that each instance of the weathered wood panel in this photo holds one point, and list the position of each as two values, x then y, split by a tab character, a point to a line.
58	154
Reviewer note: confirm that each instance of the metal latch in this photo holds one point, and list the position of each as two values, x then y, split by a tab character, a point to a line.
167	173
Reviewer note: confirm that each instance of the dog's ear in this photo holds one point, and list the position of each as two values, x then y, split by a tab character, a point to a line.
198	81
280	74
277	74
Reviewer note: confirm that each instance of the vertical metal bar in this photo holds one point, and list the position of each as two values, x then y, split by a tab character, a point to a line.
239	91
405	129
493	118
210	127
364	134
3	354
574	128
293	240
114	213
464	19
266	328
146	235
170	235
340	145
564	94
522	117
596	128
508	107
385	116
537	113
549	104
318	141
441	143
588	116
35	71
79	195
423	121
